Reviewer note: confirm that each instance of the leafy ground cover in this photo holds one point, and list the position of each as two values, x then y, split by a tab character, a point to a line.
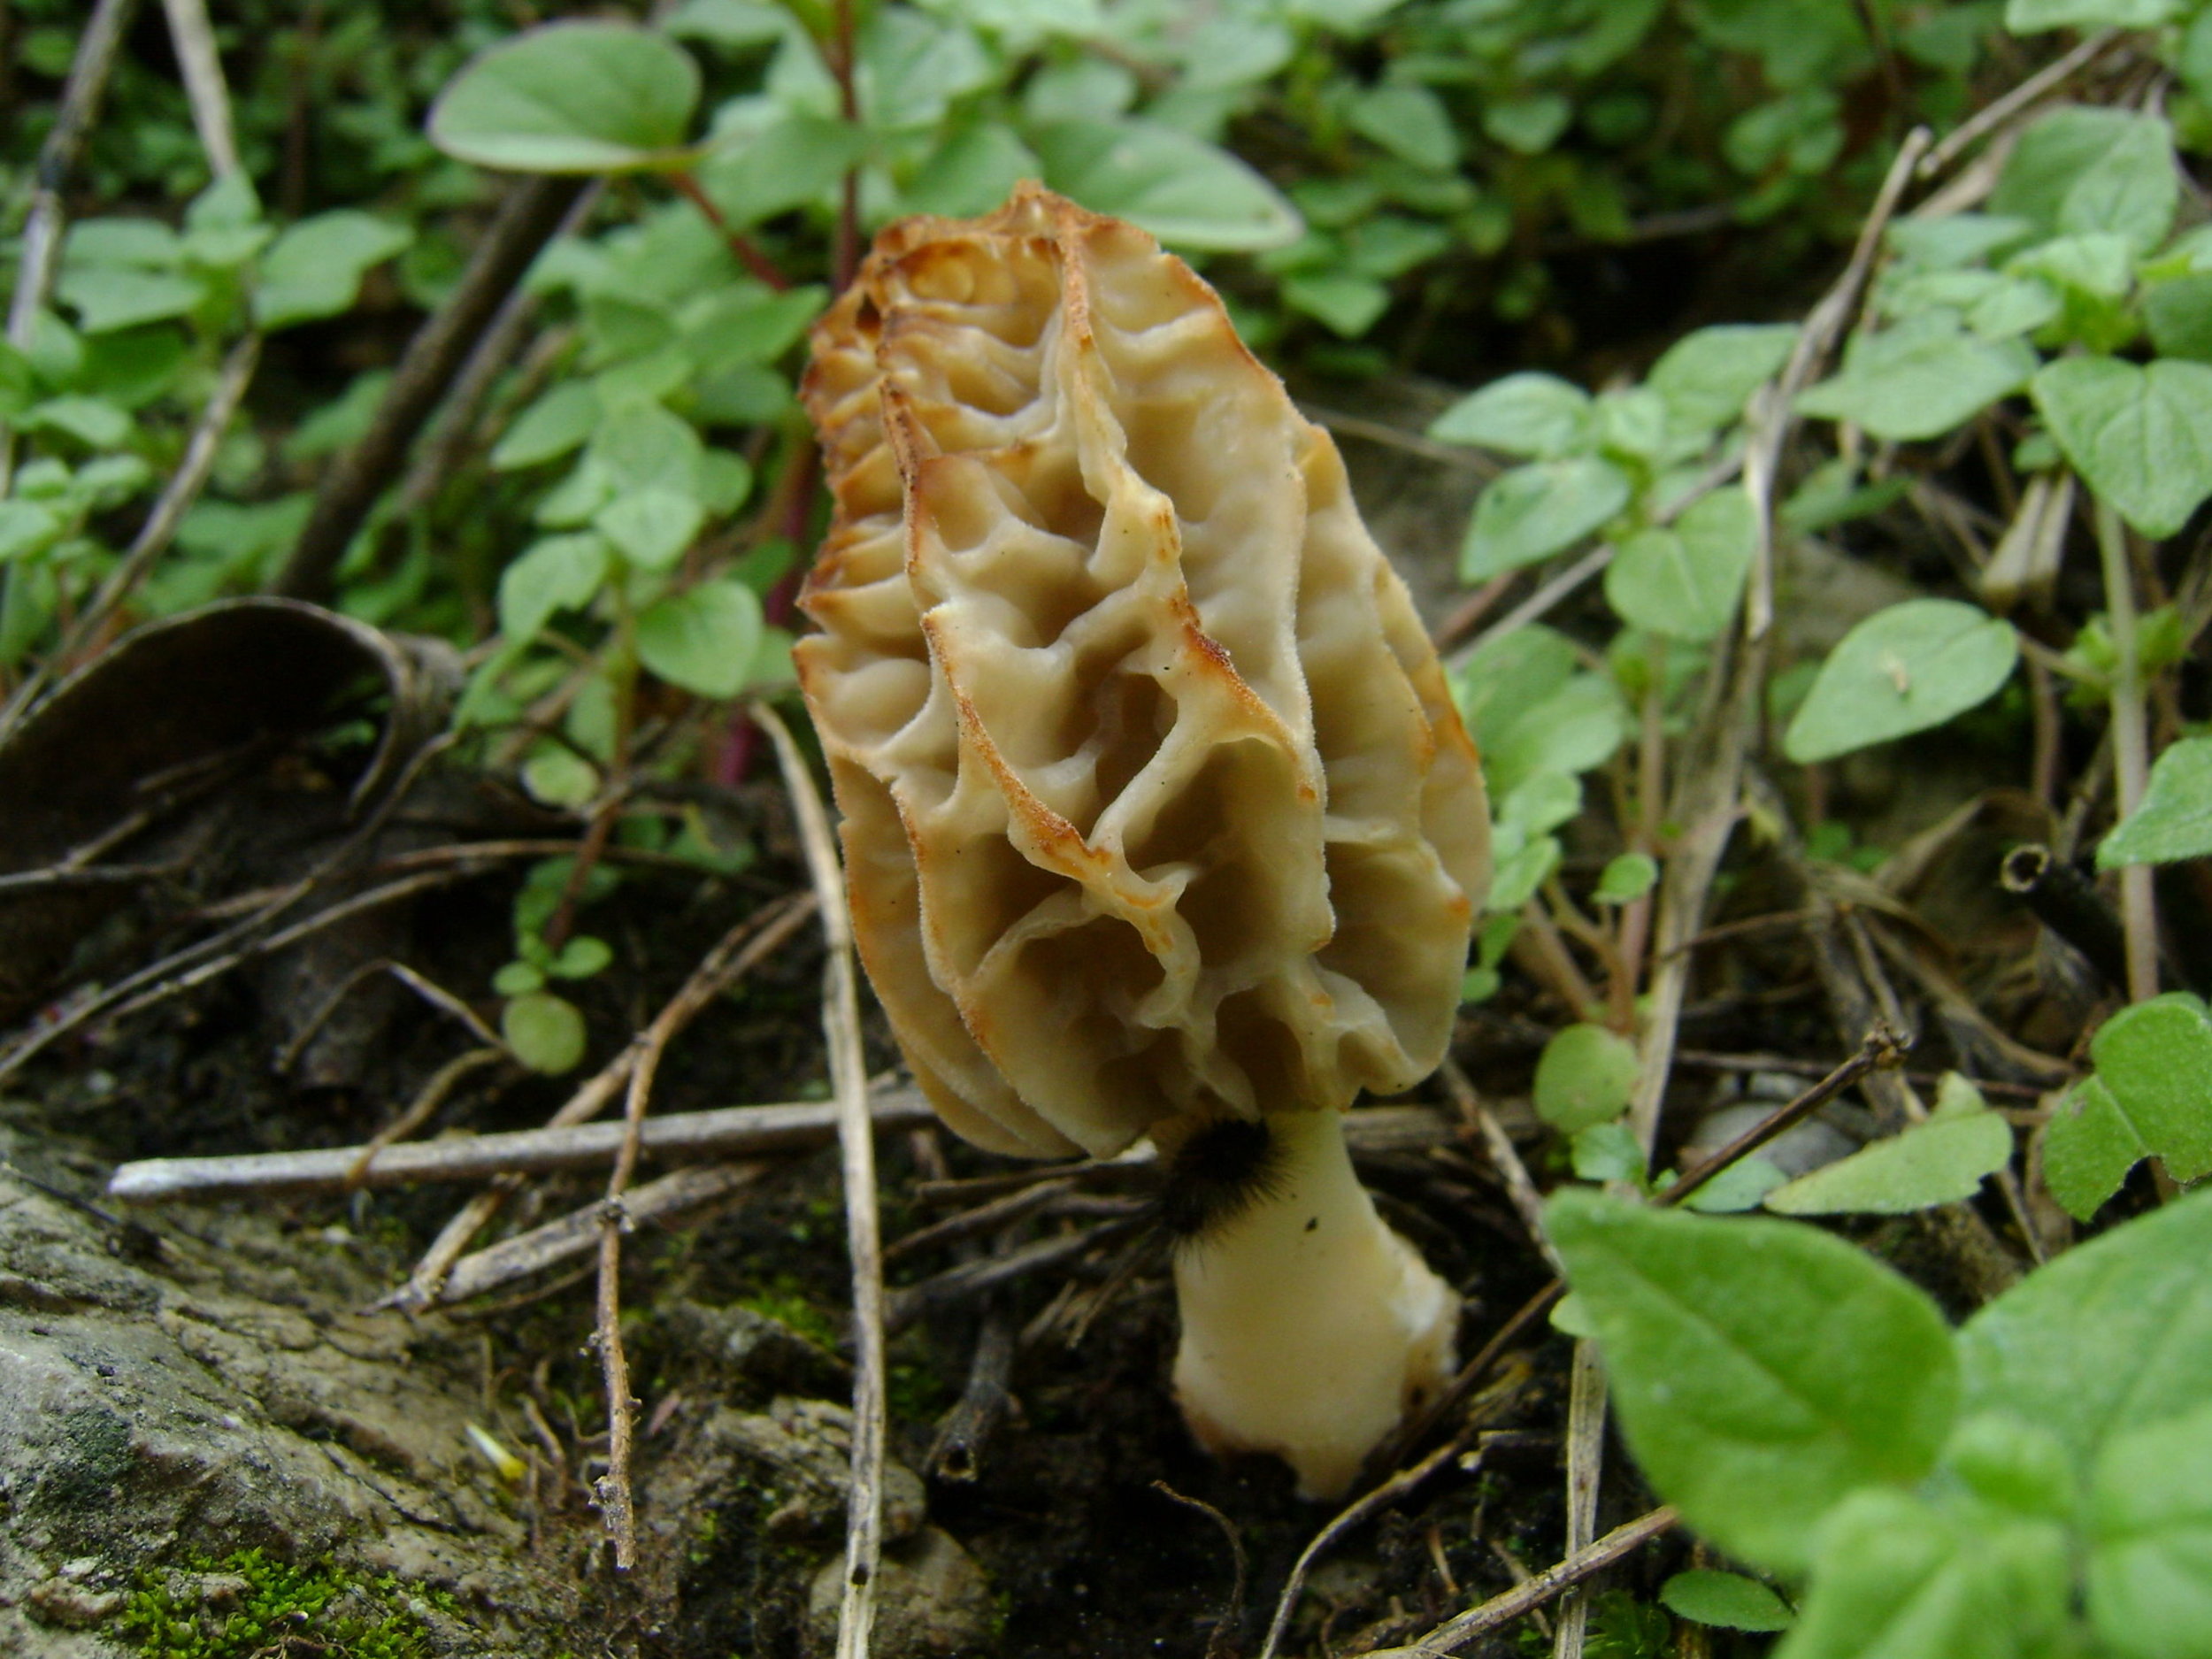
1823	387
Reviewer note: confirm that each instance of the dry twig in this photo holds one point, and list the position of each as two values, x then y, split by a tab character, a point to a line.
841	1019
1517	1603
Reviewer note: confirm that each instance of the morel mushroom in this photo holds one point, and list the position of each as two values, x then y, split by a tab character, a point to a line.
1158	819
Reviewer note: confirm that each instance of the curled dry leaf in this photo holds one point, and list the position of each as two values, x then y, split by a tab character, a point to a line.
1157	809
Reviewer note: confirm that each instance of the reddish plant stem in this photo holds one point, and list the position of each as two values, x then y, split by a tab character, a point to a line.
748	252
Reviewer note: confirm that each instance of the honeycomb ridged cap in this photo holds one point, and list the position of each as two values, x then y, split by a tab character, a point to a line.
1154	800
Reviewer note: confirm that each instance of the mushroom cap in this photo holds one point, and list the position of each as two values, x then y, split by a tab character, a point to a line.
1154	800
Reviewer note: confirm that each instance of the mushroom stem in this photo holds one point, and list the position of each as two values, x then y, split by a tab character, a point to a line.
1309	1328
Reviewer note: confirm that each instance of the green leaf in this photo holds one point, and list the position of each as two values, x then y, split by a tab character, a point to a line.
797	162
2114	1334
2088	1150
1348	304
92	421
558	422
2150	1520
1518	874
1188	192
641	446
2155	1058
1575	728
1738	1187
1585	1077
1939	1162
546	1032
1530	125
1727	1601
571	97
1607	1151
651	526
26	529
1626	878
581	957
1537	510
2027	16
969	173
1684	582
1528	413
1899	1578
2178	313
107	297
2089	169
704	639
1919	378
517	978
1763	1370
1410	122
1709	376
2174	819
562	572
1900	670
315	268
2141	437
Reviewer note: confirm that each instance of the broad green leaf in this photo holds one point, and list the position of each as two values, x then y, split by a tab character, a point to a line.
92	421
1900	1578
2047	179
18	387
969	173
1709	376
1575	728
581	957
2174	820
314	270
651	526
1585	1077
1607	1151
1939	1162
1348	304
1919	378
2155	1059
1902	670
644	447
1528	413
1188	192
1234	49
27	527
2014	1464
2089	1149
1626	878
107	297
797	162
1519	873
2178	313
1537	510
2150	1523
728	23
2027	16
1763	1370
2141	437
1502	678
571	97
1738	1187
2132	189
562	572
1529	125
1684	582
1727	1601
913	67
1956	239
546	1032
558	422
555	776
704	639
1409	121
2114	1334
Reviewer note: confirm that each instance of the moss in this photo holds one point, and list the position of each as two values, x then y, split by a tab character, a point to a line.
784	1300
315	1608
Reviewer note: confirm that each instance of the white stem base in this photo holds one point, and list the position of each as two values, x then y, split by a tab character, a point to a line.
1309	1328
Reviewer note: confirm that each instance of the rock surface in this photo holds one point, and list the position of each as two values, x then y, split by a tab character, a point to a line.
164	1395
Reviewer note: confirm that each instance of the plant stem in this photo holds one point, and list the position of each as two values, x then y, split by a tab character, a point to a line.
747	252
2131	750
